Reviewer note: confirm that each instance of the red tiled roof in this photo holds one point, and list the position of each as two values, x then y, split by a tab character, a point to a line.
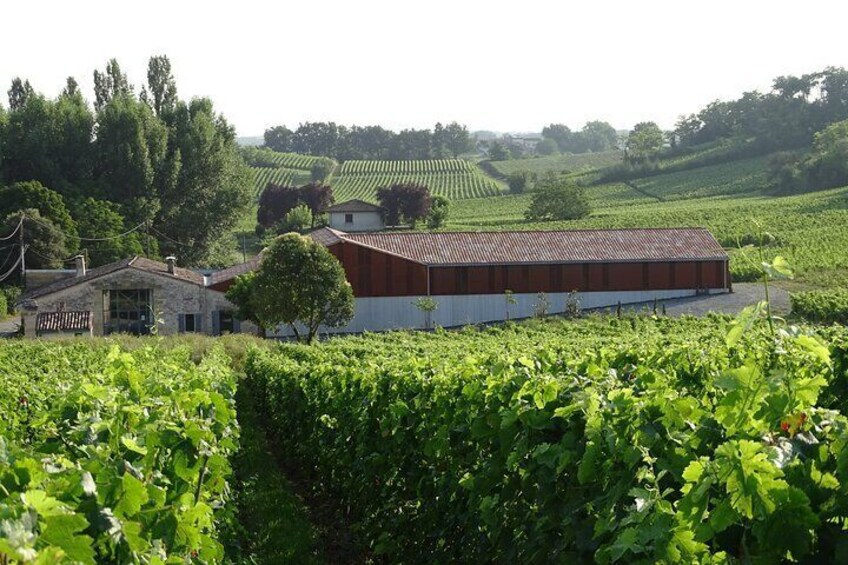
136	262
327	236
63	322
577	246
234	271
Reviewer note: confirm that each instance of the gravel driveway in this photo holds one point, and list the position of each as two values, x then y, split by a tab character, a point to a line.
9	327
744	294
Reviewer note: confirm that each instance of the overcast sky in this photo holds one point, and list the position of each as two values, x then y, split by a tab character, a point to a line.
506	66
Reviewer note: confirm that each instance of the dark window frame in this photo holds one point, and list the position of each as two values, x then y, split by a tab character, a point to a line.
128	311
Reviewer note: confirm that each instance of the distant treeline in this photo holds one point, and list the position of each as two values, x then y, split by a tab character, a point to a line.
786	117
344	143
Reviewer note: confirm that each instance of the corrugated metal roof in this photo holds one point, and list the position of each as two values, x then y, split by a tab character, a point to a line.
477	248
63	322
354	205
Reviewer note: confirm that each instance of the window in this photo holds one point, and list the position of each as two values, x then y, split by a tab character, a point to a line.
127	311
227	323
191	323
348	218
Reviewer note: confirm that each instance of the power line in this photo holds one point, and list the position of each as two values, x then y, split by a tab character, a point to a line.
9	256
11	235
11	271
172	240
120	235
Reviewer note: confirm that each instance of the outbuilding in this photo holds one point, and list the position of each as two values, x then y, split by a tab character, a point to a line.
356	216
478	277
134	295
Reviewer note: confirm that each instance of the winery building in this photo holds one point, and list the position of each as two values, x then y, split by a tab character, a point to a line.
468	274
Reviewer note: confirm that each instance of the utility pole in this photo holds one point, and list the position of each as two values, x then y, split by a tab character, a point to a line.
243	248
23	252
147	239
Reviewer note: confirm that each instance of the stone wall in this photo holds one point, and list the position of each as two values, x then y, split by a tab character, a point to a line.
170	296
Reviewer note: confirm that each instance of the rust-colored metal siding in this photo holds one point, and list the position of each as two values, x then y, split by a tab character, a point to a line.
374	273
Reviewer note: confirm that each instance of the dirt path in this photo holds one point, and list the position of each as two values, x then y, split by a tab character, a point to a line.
744	294
331	538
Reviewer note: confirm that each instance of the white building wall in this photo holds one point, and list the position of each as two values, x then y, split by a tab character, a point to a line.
399	312
362	221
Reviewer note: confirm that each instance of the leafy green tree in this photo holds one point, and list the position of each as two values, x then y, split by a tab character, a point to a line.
316	138
561	135
161	84
457	139
50	205
597	136
131	148
558	199
317	198
46	244
102	225
73	131
29	142
412	144
19	93
547	147
407	202
644	142
301	284
498	151
439	212
321	169
439	141
213	186
241	294
279	138
519	181
111	83
71	89
298	220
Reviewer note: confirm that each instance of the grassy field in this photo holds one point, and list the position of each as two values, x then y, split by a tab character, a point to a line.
559	163
737	177
810	229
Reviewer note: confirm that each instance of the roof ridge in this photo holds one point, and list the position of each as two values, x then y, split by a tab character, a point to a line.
582	230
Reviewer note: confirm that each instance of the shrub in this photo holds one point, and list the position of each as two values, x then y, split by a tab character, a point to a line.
822	306
559	200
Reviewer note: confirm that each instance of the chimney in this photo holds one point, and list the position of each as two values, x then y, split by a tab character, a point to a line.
171	260
79	261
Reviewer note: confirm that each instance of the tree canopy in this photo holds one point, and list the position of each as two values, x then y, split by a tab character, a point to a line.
407	202
155	159
299	283
644	142
786	117
344	143
595	136
558	199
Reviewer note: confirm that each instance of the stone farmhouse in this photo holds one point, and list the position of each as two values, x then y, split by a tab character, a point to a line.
132	296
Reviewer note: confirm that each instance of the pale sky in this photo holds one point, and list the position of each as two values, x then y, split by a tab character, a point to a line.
505	66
